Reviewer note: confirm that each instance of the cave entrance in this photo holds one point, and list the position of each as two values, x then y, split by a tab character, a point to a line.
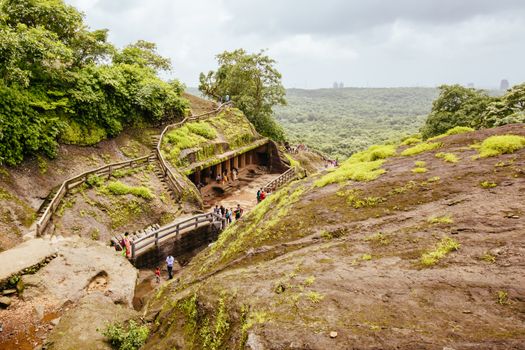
252	167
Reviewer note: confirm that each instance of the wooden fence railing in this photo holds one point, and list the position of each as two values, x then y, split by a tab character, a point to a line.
176	183
73	182
278	182
173	230
106	170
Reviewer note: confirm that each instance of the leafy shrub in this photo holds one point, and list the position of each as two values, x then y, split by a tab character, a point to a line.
366	257
420	148
131	337
444	247
119	188
420	164
488	184
94	181
501	144
82	135
447	157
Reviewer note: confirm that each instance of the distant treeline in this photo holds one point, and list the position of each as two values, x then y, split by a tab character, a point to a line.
343	121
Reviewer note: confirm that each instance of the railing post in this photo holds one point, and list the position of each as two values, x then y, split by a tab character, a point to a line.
132	250
156	238
196	221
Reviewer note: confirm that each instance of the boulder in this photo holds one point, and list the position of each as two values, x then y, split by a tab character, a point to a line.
5	302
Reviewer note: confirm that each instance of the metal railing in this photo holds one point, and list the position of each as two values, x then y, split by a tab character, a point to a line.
278	182
152	239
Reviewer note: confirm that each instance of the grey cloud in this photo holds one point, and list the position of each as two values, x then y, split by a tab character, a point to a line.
366	42
343	16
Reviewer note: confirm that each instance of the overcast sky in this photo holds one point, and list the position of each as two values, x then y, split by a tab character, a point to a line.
377	43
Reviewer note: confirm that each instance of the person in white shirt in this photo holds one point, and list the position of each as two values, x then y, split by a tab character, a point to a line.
170	260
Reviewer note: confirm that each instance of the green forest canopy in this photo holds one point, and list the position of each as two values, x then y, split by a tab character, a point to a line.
461	106
59	80
342	121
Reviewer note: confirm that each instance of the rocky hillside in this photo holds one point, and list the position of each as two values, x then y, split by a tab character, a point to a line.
410	246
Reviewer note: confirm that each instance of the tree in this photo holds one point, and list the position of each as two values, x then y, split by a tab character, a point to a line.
508	109
455	106
61	81
253	84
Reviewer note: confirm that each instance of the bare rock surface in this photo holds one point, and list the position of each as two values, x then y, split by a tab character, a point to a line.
23	256
81	327
83	271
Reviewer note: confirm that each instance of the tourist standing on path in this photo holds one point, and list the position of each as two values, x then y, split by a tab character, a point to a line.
223	211
238	212
234	174
157	274
217	210
262	196
229	215
170	260
127	245
259	195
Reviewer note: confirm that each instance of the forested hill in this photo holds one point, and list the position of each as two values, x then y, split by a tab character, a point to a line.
343	121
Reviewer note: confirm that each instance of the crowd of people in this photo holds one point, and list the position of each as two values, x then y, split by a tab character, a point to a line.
229	213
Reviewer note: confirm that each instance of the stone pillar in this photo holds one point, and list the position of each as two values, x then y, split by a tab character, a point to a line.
227	166
236	162
218	169
242	159
197	177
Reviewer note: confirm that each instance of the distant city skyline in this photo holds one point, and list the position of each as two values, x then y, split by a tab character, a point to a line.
368	44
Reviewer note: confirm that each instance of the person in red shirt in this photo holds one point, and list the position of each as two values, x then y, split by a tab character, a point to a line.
157	274
263	195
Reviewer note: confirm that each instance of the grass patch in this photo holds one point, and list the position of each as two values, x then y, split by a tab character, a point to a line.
487	257
420	148
411	141
503	297
202	129
315	297
379	239
488	184
440	220
500	144
361	166
119	188
447	157
354	199
444	247
366	257
364	171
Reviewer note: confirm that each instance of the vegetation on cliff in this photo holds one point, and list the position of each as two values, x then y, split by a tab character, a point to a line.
199	141
467	107
59	80
253	83
365	258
